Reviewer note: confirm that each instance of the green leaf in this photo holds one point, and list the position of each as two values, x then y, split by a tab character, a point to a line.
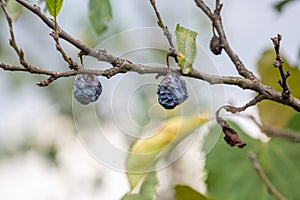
184	192
281	4
186	47
14	9
293	124
54	7
149	186
130	197
232	176
270	75
145	153
148	189
100	14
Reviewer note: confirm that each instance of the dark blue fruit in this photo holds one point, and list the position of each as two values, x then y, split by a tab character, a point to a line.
172	91
86	88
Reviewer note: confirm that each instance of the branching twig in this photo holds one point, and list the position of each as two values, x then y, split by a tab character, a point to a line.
37	70
12	40
216	19
278	63
231	136
253	102
264	177
84	49
25	65
73	65
275	132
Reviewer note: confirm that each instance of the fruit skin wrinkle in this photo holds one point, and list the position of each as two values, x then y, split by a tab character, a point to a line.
172	91
86	88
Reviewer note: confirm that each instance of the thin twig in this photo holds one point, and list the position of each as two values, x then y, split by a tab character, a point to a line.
72	64
12	40
278	63
264	177
37	70
253	102
172	50
84	49
25	65
276	132
231	136
161	24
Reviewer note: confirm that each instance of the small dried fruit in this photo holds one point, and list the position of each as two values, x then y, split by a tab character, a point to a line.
215	45
86	88
172	91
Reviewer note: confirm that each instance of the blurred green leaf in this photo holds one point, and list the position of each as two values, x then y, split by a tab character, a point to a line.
148	190
130	197
14	8
186	47
149	186
100	14
270	75
51	152
144	153
232	176
184	192
282	4
293	124
54	7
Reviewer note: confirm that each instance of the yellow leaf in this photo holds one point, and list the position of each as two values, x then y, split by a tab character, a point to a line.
145	153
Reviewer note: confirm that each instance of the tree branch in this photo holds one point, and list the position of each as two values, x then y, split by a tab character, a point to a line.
275	132
122	65
268	92
140	69
264	177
